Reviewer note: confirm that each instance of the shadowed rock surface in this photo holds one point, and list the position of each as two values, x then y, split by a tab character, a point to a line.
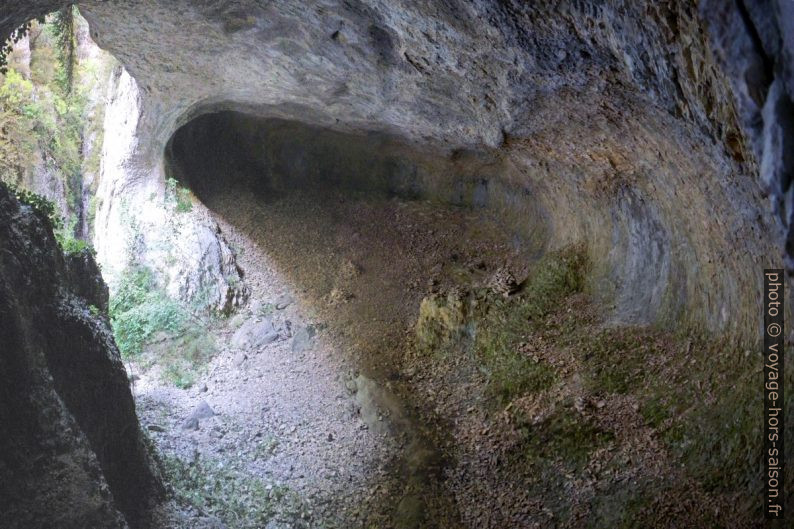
71	453
653	133
639	127
611	122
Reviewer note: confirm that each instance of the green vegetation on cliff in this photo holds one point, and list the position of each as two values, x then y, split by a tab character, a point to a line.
146	319
63	234
48	123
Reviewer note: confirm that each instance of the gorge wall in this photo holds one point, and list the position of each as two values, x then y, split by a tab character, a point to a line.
618	122
140	222
73	454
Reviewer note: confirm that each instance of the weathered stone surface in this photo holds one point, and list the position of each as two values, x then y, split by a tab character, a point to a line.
201	411
71	452
754	41
254	334
85	278
649	130
302	339
612	122
139	216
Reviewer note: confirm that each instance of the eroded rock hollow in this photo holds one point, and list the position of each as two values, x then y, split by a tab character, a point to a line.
655	138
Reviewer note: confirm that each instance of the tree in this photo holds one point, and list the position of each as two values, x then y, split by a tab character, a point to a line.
63	29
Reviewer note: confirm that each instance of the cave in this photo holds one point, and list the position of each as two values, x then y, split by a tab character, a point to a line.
411	265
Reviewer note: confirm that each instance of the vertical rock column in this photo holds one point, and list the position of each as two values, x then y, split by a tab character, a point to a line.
71	453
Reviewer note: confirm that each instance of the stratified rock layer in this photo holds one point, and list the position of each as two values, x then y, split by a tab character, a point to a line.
71	453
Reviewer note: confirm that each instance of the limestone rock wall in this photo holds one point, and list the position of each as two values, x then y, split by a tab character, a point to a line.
614	121
624	124
71	454
653	131
139	220
755	46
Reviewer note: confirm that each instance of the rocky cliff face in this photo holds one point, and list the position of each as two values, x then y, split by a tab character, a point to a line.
651	131
143	218
51	142
71	454
755	46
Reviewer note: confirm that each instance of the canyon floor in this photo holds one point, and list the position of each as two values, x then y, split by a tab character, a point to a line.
306	393
378	378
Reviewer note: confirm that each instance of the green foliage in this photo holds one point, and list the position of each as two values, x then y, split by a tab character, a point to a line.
144	317
15	37
135	327
71	245
133	289
179	196
67	240
220	489
18	140
63	29
185	355
265	309
139	310
63	233
43	120
180	375
266	448
40	204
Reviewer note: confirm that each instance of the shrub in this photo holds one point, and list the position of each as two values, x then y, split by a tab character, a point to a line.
179	195
231	494
45	118
144	317
64	234
40	204
139	310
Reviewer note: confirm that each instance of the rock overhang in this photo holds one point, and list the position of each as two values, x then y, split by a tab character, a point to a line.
616	120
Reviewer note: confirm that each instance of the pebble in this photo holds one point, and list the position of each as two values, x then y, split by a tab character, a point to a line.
239	359
191	424
283	301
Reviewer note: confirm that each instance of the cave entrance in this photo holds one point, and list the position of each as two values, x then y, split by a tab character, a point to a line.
339	237
365	224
